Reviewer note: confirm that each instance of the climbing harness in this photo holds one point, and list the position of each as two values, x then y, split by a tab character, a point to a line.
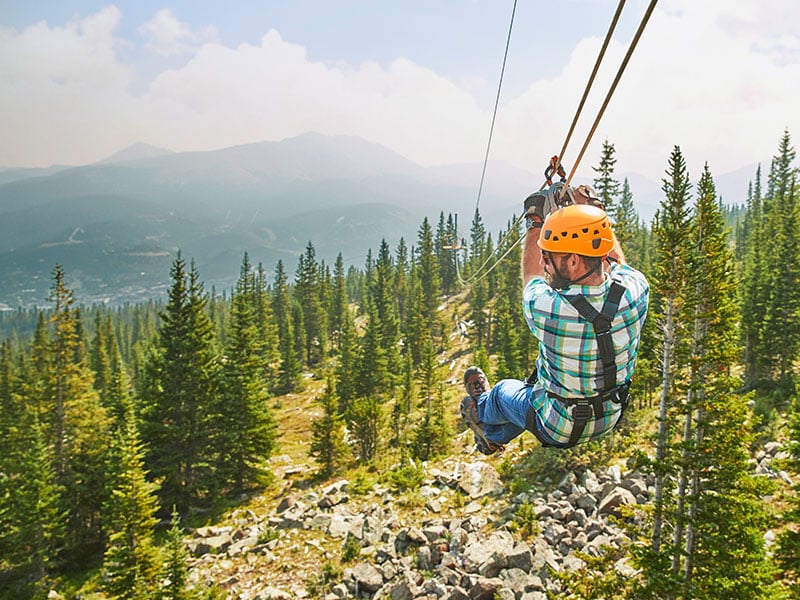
584	410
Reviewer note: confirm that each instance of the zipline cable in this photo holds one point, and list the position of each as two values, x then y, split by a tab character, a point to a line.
613	87
600	56
489	144
496	104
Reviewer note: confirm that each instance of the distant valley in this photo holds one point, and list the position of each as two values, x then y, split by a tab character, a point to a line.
116	225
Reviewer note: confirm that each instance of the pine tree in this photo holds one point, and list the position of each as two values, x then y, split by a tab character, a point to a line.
248	431
383	303
606	186
446	238
365	419
327	434
31	514
289	371
77	426
346	380
99	360
130	563
432	435
430	282
512	341
373	376
781	328
179	393
339	301
670	286
788	551
626	226
265	325
716	450
401	288
309	293
478	295
754	288
175	560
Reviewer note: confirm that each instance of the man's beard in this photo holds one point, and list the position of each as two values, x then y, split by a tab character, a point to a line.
557	282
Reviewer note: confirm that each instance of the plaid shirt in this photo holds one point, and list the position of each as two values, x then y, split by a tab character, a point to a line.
569	362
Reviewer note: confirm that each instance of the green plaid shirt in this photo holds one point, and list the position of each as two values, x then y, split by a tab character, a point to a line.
569	362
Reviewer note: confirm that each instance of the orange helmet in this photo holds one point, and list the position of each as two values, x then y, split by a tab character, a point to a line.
577	229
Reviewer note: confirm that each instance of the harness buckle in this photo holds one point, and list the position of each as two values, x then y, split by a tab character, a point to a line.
582	411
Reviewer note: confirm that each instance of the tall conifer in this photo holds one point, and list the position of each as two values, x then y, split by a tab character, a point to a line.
327	434
309	292
672	246
179	393
605	185
130	564
247	428
289	370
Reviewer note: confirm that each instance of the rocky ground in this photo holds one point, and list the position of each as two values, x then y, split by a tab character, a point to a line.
460	536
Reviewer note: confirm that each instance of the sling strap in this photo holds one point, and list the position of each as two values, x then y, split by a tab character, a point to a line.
601	323
584	409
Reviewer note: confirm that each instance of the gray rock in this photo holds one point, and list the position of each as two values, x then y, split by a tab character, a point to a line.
480	479
520	557
515	580
457	593
611	503
272	593
587	502
484	588
286	503
365	578
243	545
406	589
488	557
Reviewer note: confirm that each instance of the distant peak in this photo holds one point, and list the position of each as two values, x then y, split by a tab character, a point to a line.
137	151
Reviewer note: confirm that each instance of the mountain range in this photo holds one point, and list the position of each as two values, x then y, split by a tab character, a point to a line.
116	225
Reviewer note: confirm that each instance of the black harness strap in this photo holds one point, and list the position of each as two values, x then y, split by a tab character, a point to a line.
601	322
584	409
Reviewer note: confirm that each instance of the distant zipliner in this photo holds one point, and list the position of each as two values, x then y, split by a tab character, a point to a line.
462	245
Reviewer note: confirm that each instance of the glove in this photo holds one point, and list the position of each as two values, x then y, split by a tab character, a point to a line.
534	205
585	194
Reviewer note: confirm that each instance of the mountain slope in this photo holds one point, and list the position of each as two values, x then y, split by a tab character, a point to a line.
115	225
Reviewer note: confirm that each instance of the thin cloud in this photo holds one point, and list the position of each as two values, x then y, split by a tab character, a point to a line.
712	77
165	35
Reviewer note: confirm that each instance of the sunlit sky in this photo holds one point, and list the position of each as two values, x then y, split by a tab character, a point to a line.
84	79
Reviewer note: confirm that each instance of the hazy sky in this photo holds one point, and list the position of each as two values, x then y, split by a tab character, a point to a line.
83	79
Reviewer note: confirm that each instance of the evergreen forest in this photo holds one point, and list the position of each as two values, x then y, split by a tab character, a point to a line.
120	427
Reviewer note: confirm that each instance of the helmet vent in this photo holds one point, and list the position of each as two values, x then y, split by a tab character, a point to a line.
574	236
596	243
585	230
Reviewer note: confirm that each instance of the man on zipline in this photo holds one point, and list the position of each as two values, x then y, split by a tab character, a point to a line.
586	307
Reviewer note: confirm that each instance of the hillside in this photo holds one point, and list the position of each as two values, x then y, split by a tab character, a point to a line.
116	225
519	524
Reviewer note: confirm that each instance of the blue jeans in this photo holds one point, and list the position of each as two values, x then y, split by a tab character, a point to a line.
503	410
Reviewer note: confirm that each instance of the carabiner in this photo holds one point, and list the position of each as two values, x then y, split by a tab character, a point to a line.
552	167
